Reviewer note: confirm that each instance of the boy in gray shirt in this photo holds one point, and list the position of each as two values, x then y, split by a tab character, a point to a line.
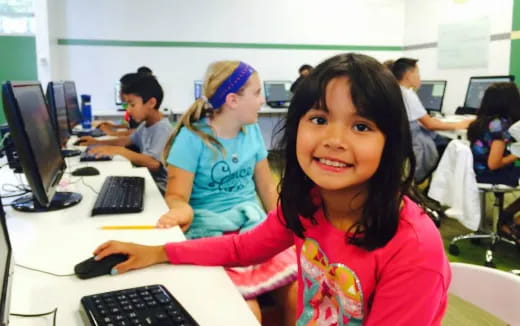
144	96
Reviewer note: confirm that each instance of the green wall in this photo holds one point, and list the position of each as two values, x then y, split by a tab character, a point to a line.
514	58
17	61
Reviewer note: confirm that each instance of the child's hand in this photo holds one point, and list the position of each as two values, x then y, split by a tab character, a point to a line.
182	217
86	140
139	256
464	124
106	127
104	150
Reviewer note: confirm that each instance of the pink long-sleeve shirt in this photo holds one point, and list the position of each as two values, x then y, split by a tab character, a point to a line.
403	283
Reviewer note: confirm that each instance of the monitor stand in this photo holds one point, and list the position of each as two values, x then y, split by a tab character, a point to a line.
70	152
60	200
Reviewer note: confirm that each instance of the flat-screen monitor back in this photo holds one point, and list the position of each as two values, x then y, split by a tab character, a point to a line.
197	88
431	93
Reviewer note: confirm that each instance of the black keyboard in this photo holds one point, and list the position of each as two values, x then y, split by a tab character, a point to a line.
147	305
92	132
120	195
85	156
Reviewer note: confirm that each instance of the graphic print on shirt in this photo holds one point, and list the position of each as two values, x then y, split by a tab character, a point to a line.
332	292
224	180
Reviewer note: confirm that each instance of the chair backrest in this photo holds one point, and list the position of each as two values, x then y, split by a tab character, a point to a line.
454	184
495	291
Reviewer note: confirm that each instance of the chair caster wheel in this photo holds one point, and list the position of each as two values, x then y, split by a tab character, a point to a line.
454	250
490	264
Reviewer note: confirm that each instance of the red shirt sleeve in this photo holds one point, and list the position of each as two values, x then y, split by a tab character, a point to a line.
244	249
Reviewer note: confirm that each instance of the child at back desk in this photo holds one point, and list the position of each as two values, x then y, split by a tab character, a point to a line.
144	96
492	160
367	252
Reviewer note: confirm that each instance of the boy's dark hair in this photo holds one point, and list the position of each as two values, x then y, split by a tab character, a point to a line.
144	71
400	66
305	67
128	78
501	100
145	87
377	96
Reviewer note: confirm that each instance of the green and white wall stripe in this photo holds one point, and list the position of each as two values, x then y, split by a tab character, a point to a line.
514	63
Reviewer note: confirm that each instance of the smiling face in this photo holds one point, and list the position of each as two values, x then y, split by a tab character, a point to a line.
336	147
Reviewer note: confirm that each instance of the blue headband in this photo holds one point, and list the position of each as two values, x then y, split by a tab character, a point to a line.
232	84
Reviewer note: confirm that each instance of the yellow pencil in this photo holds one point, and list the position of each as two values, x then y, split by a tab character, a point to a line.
128	227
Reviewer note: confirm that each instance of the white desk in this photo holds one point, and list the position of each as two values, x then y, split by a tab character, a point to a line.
56	241
455	134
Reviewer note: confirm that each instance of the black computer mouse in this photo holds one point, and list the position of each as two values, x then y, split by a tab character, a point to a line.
78	142
85	171
91	268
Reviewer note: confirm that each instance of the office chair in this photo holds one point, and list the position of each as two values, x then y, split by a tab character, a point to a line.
454	184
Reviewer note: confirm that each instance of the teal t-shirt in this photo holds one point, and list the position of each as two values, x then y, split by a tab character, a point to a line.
220	183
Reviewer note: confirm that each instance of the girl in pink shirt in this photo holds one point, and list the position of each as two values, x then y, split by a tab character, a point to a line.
368	254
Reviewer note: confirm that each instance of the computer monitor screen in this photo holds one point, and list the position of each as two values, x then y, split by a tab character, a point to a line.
431	94
71	101
197	88
58	111
117	93
278	93
6	269
36	145
478	85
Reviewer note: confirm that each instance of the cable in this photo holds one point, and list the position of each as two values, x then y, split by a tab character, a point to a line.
94	190
7	134
44	272
53	312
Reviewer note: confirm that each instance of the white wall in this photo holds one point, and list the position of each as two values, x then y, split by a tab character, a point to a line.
96	68
422	20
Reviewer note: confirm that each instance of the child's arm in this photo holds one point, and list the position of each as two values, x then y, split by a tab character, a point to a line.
251	247
265	185
178	193
496	158
119	141
431	123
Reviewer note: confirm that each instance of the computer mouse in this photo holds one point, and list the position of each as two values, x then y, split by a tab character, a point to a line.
85	171
78	142
91	268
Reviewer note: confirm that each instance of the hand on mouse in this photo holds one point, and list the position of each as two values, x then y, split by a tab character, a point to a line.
180	215
139	256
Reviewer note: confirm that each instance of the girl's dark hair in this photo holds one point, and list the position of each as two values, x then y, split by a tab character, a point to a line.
377	96
501	100
400	66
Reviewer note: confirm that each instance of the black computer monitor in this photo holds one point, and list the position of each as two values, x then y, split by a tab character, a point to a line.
478	85
431	93
37	147
278	93
6	269
58	114
197	88
71	101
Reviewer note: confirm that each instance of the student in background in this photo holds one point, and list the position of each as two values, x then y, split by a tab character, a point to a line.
129	124
427	145
368	253
144	96
217	163
489	137
304	71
